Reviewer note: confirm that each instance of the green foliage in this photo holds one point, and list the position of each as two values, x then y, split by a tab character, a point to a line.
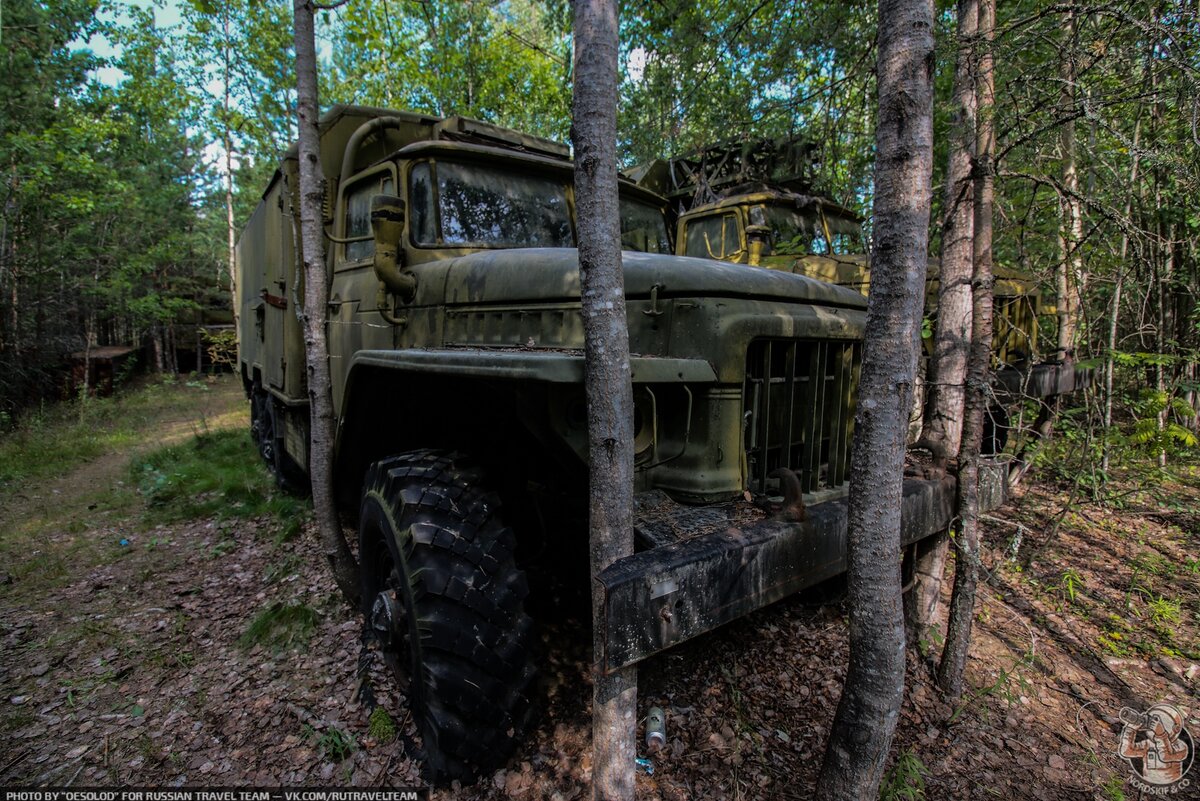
279	626
214	475
506	63
906	779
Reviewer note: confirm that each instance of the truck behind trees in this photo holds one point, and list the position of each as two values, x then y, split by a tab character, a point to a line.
455	341
756	203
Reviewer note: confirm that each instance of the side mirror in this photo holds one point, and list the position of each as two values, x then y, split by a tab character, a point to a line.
387	227
759	242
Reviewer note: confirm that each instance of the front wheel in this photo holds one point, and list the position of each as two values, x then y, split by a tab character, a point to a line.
445	598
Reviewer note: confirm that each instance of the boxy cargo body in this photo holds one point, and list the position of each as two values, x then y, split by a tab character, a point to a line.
455	338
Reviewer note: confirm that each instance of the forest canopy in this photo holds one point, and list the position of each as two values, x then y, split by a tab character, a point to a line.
121	195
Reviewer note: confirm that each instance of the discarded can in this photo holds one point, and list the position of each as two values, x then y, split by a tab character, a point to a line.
656	729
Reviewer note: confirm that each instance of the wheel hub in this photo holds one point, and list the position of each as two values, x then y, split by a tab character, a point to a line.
387	621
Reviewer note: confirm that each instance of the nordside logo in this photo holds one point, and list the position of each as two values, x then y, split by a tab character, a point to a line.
1158	747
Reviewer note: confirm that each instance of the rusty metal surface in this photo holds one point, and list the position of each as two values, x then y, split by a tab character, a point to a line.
664	596
1041	381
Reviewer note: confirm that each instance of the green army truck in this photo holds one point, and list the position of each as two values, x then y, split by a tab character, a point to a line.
456	338
754	203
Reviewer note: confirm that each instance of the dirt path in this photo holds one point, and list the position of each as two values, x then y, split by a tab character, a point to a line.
128	669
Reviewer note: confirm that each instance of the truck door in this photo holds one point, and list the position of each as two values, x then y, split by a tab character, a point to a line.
354	322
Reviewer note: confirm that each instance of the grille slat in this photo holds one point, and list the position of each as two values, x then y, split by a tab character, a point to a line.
799	410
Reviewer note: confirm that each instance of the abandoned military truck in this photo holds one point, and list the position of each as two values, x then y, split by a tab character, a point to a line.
456	342
754	203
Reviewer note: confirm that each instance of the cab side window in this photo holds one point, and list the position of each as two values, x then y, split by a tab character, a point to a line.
357	224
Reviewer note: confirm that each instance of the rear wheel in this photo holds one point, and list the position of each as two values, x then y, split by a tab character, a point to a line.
445	598
266	428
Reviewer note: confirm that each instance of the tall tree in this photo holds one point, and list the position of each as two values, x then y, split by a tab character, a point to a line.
870	703
607	381
966	563
948	365
1070	270
316	301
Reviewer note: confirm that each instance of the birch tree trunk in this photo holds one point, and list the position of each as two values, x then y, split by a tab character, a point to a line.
316	297
948	366
870	704
227	143
966	544
1070	273
606	376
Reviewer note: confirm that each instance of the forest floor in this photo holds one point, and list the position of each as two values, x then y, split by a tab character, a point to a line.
142	646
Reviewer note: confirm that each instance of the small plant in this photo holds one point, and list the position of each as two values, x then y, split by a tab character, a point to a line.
380	726
281	626
932	642
1164	611
1070	583
1114	789
906	779
334	744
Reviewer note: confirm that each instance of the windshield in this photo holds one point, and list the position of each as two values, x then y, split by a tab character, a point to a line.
795	232
460	205
486	208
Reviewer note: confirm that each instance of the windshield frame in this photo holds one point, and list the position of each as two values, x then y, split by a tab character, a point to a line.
501	159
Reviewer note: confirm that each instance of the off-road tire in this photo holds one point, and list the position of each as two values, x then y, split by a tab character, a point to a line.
261	424
264	429
432	541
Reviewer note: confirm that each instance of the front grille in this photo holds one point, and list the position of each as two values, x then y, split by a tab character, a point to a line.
798	410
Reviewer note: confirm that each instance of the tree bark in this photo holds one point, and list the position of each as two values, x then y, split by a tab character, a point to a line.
966	544
606	375
948	367
316	297
1070	272
870	704
1110	363
227	143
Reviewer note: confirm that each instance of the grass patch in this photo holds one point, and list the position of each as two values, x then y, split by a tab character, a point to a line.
216	475
52	439
280	626
334	744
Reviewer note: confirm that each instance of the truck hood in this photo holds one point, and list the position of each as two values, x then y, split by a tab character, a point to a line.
552	274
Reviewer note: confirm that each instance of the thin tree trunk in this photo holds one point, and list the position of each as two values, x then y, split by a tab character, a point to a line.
316	297
227	143
1109	359
948	367
966	544
1070	277
607	376
870	703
